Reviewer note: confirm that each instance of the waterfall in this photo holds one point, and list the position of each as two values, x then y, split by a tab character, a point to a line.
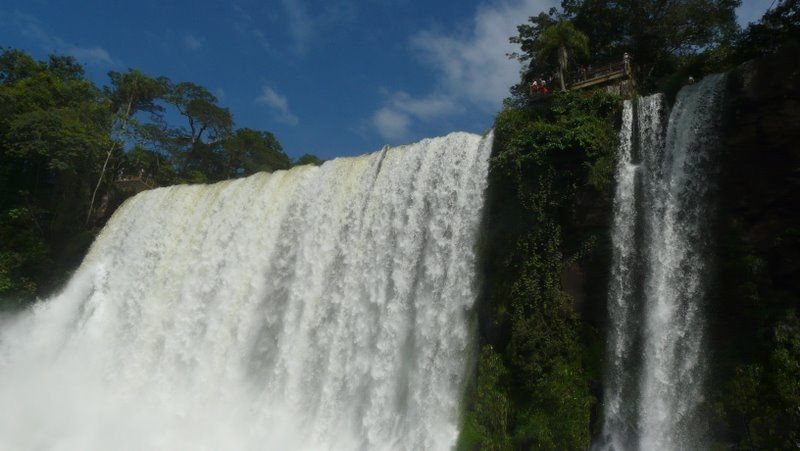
663	207
316	308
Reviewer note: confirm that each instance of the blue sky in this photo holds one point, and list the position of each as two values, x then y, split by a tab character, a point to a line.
328	77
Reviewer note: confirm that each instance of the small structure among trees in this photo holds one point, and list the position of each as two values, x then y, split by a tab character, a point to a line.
662	38
617	76
134	184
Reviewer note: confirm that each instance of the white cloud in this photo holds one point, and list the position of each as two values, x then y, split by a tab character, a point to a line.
244	24
471	65
301	20
391	124
423	108
31	27
392	121
474	65
305	19
93	55
278	104
299	23
192	42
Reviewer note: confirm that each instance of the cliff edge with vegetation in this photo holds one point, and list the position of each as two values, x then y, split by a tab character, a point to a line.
545	250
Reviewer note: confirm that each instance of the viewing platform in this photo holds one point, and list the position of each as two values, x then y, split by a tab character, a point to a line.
616	77
134	184
603	75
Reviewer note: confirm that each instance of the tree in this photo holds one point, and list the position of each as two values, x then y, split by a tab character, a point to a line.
249	151
65	67
130	92
604	25
309	159
61	137
658	34
53	131
778	29
547	44
559	40
529	40
200	109
16	65
197	150
654	32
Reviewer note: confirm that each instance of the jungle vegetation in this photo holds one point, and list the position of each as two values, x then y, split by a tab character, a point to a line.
64	141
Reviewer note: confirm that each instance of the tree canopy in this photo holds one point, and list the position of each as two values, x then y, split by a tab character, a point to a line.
778	29
64	141
558	42
657	34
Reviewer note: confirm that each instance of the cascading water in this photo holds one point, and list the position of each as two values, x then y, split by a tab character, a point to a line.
623	340
317	308
661	236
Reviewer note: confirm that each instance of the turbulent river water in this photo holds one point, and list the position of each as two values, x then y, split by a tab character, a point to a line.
663	207
317	308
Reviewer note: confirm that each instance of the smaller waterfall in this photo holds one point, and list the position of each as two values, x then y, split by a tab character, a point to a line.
642	127
661	237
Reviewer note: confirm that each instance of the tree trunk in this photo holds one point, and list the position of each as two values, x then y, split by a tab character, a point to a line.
562	66
108	157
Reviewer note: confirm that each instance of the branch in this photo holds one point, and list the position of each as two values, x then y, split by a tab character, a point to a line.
200	133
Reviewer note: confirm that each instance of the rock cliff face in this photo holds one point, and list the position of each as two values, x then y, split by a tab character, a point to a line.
762	146
585	281
755	328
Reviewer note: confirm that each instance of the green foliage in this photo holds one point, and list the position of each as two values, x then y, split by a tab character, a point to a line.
761	399
758	343
133	91
23	252
63	142
250	151
486	425
155	165
308	159
661	37
775	34
545	159
53	127
201	111
130	93
658	35
529	36
559	42
778	30
16	65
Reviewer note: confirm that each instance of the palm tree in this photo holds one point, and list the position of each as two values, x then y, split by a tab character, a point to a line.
561	39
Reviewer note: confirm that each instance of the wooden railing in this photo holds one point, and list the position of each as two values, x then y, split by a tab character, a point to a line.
600	75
